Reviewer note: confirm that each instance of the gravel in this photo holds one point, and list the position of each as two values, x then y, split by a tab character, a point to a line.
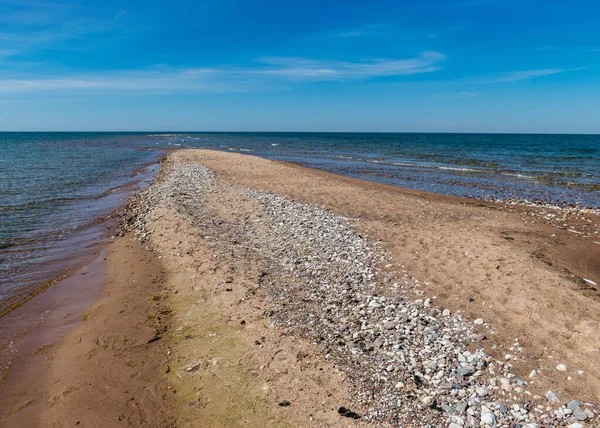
409	362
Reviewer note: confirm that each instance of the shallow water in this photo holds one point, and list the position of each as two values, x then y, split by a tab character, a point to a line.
54	187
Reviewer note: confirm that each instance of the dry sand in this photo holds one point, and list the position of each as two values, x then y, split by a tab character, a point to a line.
179	338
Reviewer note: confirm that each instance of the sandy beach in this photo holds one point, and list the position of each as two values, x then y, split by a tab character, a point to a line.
251	292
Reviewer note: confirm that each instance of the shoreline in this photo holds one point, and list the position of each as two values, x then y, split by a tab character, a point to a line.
350	197
96	232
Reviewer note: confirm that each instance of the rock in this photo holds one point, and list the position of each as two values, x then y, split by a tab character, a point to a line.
533	374
552	397
579	414
461	406
448	409
574	405
479	321
503	409
446	312
488	419
464	371
561	367
348	413
428	401
482	391
389	325
453	425
284	403
575	425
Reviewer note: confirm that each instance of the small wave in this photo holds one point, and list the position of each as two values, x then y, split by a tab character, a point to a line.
516	174
453	168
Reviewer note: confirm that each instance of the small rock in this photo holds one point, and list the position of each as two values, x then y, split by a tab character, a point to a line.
580	415
464	371
448	409
348	413
574	405
481	391
284	403
488	419
428	401
461	406
575	425
533	374
446	312
552	397
389	325
561	367
479	321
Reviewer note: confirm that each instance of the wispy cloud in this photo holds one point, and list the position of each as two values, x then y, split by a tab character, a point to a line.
516	76
301	68
266	72
165	80
362	31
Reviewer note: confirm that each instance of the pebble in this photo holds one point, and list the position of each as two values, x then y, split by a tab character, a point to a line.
488	419
580	415
552	397
533	374
574	405
561	367
389	325
479	321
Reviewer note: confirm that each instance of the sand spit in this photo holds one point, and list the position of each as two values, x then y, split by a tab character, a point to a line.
250	292
408	361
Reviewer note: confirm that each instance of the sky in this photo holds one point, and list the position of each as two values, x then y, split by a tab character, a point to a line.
352	66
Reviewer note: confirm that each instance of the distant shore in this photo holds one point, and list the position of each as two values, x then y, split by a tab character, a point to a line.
214	310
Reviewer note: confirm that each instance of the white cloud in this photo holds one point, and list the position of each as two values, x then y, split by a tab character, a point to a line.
516	76
302	68
167	80
265	73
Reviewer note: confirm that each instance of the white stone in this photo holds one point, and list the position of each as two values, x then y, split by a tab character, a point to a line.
488	419
479	321
561	367
533	373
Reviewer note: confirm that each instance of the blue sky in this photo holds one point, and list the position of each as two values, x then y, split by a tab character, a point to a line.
418	66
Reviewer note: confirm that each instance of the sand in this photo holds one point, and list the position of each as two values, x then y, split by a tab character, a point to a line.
180	338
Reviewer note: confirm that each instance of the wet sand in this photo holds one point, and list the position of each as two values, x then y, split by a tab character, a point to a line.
179	336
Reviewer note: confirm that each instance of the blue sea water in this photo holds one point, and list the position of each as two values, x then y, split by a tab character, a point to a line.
55	186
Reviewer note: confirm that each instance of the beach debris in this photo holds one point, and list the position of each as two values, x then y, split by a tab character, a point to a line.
348	413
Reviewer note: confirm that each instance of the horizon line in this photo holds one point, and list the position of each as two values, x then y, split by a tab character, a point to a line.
293	132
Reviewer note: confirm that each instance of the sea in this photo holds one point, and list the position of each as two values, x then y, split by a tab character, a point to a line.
58	190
